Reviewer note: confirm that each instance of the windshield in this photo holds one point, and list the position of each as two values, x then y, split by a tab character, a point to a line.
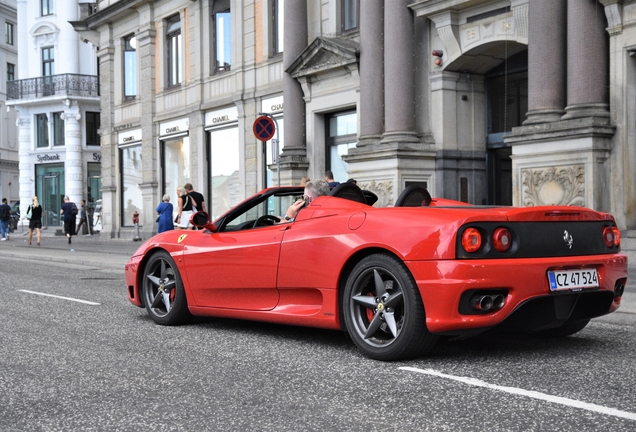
274	205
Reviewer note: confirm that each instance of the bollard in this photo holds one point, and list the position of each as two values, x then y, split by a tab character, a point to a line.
135	219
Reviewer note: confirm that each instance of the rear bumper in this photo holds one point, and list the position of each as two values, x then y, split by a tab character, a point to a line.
529	303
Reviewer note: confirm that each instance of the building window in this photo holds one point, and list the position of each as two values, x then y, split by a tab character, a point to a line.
48	61
10	72
92	128
46	7
9	33
224	170
176	165
42	130
277	26
350	13
342	131
221	18
173	42
131	179
130	67
58	129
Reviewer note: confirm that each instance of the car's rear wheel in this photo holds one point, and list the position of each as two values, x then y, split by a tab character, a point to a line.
163	292
565	330
383	310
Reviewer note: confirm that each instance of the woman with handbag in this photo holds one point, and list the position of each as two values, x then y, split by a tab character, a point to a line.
184	209
34	215
164	220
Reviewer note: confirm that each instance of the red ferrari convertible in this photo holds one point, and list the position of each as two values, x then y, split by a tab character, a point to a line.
395	278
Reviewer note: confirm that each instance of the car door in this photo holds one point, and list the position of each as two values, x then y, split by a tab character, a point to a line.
234	269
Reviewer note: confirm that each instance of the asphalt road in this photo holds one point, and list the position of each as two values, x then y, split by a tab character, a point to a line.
102	364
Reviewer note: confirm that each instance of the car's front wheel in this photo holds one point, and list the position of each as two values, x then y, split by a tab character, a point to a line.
163	292
383	310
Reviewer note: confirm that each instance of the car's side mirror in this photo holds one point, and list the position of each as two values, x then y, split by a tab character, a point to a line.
202	220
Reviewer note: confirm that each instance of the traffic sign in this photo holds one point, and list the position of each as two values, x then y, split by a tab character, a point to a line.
264	128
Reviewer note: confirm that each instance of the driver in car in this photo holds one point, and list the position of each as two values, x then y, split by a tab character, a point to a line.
313	189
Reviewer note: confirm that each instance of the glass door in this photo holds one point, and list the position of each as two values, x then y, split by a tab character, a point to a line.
51	203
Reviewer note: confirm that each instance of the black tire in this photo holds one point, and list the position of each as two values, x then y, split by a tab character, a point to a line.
383	310
565	330
163	292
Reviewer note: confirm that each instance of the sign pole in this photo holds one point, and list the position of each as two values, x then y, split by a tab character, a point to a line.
277	143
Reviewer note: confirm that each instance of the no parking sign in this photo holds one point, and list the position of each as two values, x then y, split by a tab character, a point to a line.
264	128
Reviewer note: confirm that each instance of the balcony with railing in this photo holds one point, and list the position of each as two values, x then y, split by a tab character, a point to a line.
54	85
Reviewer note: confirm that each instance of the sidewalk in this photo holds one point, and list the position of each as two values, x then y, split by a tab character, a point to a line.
85	250
101	252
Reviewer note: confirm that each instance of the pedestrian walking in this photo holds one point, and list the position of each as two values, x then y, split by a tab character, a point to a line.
69	210
329	179
198	202
34	215
184	208
5	218
165	210
83	212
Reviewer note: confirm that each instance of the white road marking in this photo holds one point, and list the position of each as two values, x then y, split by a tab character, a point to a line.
528	393
60	297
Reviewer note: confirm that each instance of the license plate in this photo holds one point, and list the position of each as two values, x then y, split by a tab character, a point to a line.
572	279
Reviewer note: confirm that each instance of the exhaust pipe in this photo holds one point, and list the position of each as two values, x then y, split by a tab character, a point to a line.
488	302
481	302
498	301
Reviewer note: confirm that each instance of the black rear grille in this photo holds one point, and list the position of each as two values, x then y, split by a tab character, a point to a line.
540	239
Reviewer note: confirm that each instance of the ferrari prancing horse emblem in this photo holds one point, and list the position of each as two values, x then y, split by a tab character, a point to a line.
181	238
568	238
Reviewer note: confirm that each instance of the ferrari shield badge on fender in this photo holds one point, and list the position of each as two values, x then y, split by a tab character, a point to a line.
181	238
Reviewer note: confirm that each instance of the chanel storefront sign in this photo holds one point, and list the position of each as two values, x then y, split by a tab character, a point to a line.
221	117
129	137
175	127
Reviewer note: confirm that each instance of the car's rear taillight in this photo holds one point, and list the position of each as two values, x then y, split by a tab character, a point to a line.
471	240
611	236
501	239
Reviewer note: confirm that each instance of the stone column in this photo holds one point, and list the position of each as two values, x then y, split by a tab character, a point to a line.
27	170
547	42
399	80
371	112
295	41
73	173
588	60
146	51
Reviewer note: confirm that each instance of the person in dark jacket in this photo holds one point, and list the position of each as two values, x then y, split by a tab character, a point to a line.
69	210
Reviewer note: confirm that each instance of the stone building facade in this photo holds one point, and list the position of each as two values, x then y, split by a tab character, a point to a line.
489	102
55	98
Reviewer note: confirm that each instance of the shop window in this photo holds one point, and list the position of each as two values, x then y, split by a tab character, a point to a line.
270	157
46	7
222	25
42	130
350	15
342	134
278	26
8	27
173	43
224	170
131	179
176	165
130	67
10	72
58	129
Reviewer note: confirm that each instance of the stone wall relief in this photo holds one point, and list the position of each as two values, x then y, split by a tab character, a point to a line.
558	185
383	189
